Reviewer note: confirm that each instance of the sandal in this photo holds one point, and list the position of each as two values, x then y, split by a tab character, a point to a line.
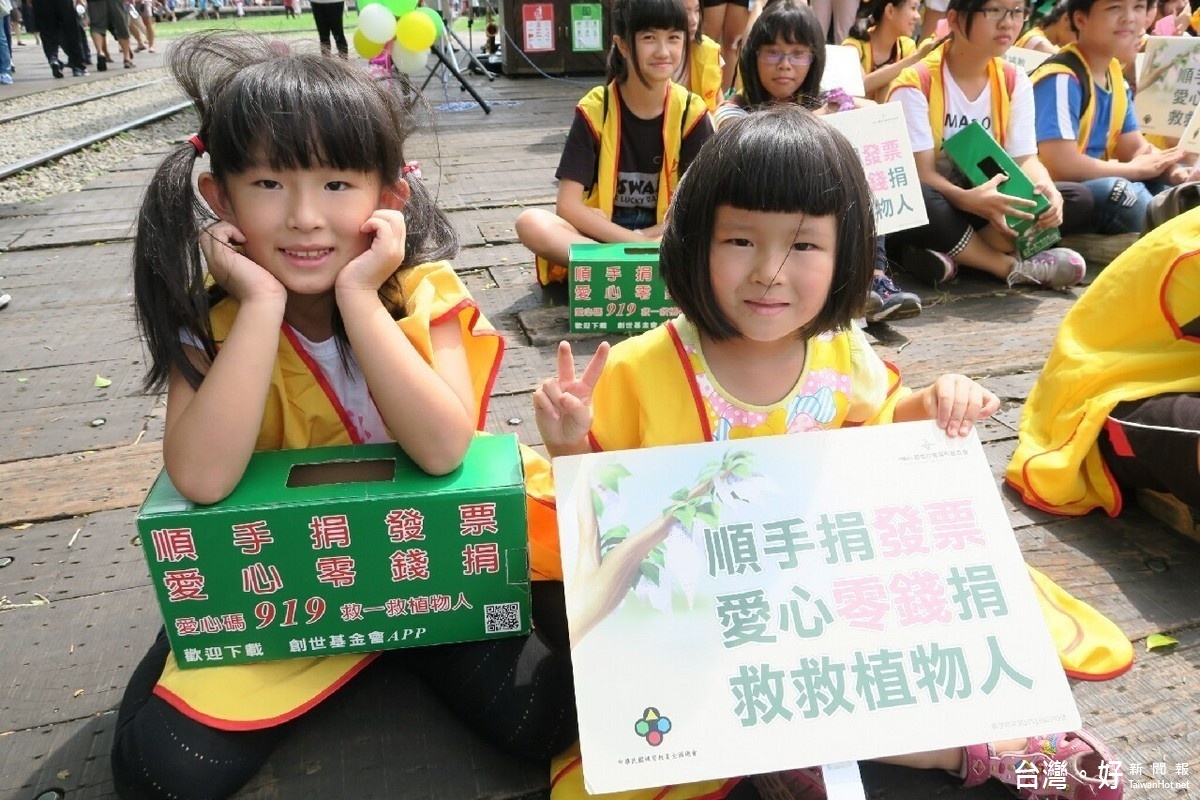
1069	765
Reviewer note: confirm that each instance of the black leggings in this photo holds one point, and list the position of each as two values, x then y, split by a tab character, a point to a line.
949	227
517	692
328	17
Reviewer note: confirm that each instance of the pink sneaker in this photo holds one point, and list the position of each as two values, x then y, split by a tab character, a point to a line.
1075	765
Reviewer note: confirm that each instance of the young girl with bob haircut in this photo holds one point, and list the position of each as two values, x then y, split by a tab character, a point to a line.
768	252
966	80
883	38
782	62
322	313
630	141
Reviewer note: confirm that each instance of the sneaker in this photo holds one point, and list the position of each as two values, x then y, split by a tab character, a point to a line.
874	303
928	266
5	79
1079	760
894	302
4	299
79	72
56	68
1056	268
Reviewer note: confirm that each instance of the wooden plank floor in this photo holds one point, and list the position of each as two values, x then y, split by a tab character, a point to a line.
76	609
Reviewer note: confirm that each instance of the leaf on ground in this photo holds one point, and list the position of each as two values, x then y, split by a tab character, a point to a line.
22	380
1159	641
101	382
63	774
77	693
22	526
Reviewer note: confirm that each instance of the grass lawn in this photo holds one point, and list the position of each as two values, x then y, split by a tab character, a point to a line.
273	23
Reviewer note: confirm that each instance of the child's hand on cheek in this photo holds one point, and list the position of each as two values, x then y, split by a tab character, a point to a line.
956	401
380	260
234	272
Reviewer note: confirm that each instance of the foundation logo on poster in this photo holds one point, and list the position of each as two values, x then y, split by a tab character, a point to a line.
652	727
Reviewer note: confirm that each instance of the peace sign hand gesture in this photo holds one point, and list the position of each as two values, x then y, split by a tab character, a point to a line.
563	404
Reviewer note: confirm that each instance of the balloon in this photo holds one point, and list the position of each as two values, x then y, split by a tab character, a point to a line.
407	61
364	3
365	47
398	7
438	25
376	24
415	32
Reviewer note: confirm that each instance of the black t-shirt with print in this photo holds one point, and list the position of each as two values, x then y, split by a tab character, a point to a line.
639	161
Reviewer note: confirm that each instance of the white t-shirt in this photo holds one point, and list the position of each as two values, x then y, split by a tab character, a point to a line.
1020	138
349	386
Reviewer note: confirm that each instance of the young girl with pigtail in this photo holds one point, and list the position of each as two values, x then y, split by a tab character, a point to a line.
322	312
883	38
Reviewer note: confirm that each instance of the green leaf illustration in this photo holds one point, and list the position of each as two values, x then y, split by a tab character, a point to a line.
610	476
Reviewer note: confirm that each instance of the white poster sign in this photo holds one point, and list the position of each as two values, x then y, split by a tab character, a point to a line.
1025	60
1168	85
761	604
880	136
843	70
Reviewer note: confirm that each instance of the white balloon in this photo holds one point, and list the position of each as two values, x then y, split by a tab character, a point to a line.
407	61
377	24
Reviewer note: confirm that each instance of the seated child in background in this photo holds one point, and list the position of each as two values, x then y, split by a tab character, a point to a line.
700	70
883	38
782	62
628	145
1086	129
1117	405
1050	32
768	251
965	80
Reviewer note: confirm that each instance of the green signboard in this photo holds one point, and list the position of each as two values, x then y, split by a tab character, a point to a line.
616	288
587	28
340	550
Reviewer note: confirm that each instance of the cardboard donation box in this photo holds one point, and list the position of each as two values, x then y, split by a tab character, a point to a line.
340	550
980	158
616	288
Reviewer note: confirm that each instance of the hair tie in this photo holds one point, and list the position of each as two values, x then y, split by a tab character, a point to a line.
413	168
197	143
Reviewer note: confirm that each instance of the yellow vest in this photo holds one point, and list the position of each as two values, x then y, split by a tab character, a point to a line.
601	108
1069	61
704	72
903	48
648	397
926	77
300	413
1032	33
1122	341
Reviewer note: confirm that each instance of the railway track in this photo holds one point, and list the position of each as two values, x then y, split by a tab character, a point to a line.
82	121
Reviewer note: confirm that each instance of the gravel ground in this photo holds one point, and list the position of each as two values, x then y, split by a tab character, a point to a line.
71	172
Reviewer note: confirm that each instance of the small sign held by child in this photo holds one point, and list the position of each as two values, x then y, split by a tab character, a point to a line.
880	138
341	550
754	605
1024	59
1168	89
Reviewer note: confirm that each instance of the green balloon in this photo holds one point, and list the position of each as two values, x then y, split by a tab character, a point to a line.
364	3
399	7
434	17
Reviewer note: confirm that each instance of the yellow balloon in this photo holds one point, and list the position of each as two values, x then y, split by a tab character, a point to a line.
415	32
365	47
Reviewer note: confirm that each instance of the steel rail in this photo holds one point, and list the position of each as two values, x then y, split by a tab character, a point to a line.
9	170
70	103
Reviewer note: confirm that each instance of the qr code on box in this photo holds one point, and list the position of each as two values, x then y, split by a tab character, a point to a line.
501	617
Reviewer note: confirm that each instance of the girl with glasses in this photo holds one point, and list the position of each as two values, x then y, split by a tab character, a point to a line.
963	81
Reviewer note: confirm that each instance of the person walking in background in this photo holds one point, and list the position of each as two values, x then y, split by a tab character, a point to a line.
59	26
328	16
6	43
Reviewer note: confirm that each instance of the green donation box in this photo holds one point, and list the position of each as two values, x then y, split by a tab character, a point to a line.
340	550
